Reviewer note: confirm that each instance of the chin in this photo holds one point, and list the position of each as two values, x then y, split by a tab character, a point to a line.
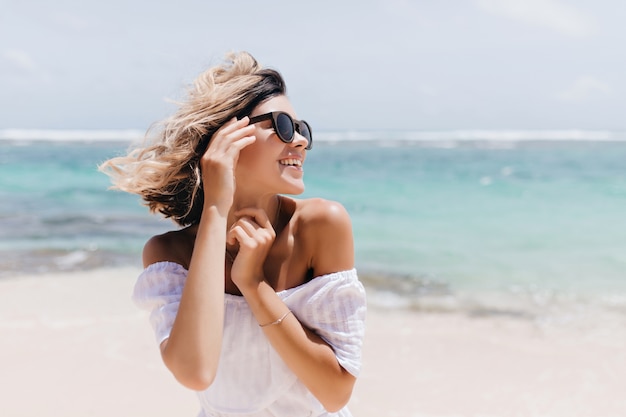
293	189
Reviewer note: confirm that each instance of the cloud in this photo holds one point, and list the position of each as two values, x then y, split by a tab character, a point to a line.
583	88
551	14
19	64
20	60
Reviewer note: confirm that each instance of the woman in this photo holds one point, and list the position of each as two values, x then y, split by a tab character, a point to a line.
254	301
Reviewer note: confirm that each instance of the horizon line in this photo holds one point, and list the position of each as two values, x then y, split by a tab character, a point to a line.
331	135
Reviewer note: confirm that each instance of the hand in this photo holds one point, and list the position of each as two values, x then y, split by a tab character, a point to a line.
255	235
220	159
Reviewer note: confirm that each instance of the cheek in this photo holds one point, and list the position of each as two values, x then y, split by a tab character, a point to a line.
261	155
251	152
245	156
252	159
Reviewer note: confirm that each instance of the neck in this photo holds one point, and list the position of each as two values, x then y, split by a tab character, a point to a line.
269	203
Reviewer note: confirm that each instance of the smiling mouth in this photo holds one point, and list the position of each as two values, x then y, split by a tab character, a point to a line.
291	162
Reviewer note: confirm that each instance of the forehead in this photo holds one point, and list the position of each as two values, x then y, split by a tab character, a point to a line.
278	103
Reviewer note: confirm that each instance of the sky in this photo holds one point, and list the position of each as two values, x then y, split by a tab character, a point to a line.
357	65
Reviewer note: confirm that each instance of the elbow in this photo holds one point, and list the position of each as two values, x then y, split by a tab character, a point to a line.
339	397
196	381
190	374
336	402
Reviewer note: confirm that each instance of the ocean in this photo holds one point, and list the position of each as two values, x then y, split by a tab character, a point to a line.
518	223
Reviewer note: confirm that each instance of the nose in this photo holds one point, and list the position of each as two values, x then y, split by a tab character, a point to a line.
299	140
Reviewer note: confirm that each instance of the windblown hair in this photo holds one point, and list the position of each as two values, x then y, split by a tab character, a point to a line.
165	172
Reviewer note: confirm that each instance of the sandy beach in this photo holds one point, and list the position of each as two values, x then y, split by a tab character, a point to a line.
75	345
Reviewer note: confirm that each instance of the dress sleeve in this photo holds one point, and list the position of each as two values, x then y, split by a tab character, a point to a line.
158	290
334	306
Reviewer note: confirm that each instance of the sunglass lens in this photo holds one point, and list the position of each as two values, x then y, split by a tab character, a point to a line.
284	125
305	131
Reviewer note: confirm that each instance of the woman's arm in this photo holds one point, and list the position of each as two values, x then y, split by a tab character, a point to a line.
329	233
192	350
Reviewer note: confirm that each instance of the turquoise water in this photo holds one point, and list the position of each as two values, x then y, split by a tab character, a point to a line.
470	216
550	215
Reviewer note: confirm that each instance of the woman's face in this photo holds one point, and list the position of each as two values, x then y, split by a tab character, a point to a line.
270	165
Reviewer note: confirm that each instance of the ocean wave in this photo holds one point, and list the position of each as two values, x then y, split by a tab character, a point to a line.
15	263
67	135
544	308
443	137
451	136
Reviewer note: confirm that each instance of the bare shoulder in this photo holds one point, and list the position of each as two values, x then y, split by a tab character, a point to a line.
323	213
327	229
174	246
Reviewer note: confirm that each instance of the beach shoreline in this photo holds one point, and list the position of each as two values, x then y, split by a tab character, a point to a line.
77	346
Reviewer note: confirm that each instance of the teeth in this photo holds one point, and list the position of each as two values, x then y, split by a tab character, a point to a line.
295	162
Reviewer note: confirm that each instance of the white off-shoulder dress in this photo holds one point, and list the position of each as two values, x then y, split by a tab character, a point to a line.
252	380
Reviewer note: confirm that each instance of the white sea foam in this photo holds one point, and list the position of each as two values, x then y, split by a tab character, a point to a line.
444	138
72	259
63	135
447	136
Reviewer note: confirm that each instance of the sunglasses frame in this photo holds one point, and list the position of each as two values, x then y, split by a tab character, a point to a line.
295	125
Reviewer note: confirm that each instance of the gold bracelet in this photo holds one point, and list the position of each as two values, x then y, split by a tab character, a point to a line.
280	320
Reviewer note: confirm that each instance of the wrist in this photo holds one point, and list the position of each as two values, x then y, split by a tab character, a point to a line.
250	290
267	307
277	321
219	207
257	292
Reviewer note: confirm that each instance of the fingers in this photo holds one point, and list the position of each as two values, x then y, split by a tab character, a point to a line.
233	136
249	240
252	230
256	214
254	234
250	234
219	161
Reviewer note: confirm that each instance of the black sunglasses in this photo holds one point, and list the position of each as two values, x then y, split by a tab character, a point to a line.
286	127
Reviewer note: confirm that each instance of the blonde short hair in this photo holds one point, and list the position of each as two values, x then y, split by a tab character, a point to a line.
165	172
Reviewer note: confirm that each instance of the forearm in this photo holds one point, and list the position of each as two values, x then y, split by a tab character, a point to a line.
193	348
306	354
